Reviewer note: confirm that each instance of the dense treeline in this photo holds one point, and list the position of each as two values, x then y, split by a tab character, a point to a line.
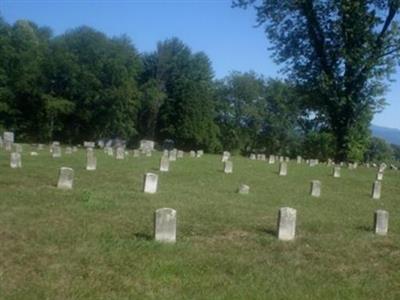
83	85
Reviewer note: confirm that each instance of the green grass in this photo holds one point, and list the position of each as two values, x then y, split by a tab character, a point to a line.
96	241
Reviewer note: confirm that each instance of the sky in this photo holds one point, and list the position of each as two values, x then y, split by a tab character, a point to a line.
227	35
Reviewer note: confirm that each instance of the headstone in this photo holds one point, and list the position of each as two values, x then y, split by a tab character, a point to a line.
40	147
287	159
165	153
110	151
336	172
192	153
244	189
286	223
315	188
74	149
313	162
281	159
8	140
172	155
228	167
165	225
56	153
65	178
283	169
91	161
252	156
120	153
147	153
164	164
376	190
15	160
261	157
379	176
33	153
68	150
179	154
225	156
329	162
150	183
136	153
89	144
381	222
299	159
199	153
271	159
382	167
146	145
393	167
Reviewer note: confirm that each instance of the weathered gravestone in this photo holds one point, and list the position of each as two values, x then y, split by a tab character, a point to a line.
56	150
252	156
376	190
336	172
381	222
136	153
179	154
15	160
283	169
68	150
110	151
164	164
382	167
315	188
74	149
165	225
271	159
228	167
379	176
91	161
150	183
244	189
298	159
89	144
286	223
8	140
225	156
172	155
148	153
65	178
120	153
33	153
199	153
313	162
192	153
146	145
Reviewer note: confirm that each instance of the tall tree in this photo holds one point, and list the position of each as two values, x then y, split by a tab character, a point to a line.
338	52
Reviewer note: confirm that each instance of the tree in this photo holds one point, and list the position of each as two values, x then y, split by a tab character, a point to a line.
379	151
338	53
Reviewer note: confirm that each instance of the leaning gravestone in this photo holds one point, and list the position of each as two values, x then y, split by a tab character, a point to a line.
283	169
244	189
165	225
381	222
120	153
91	161
336	172
286	223
164	164
150	183
315	188
15	160
65	178
376	190
228	167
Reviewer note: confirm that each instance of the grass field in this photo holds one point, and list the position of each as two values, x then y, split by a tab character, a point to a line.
96	241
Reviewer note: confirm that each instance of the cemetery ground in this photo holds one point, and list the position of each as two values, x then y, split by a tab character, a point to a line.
96	241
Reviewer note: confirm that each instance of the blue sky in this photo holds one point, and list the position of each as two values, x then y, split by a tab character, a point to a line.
226	35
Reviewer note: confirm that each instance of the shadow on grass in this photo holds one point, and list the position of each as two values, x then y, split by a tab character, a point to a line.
143	236
269	231
365	228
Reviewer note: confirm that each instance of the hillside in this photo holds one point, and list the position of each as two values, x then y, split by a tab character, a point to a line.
391	135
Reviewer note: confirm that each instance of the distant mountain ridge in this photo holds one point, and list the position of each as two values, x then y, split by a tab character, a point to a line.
391	135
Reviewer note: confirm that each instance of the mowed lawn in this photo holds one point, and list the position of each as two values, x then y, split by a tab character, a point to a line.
96	241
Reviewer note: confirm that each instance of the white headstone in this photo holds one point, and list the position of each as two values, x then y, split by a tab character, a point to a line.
228	167
376	190
336	172
120	153
146	145
150	183
172	155
15	160
8	138
192	153
18	148
381	222
56	151
287	223
271	159
315	188
379	176
89	144
65	178
136	153
225	156
252	156
91	161
283	169
199	153
68	150
180	154
165	225
298	159
164	164
244	189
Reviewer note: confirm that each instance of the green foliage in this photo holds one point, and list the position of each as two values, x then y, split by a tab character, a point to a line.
319	145
379	151
338	52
